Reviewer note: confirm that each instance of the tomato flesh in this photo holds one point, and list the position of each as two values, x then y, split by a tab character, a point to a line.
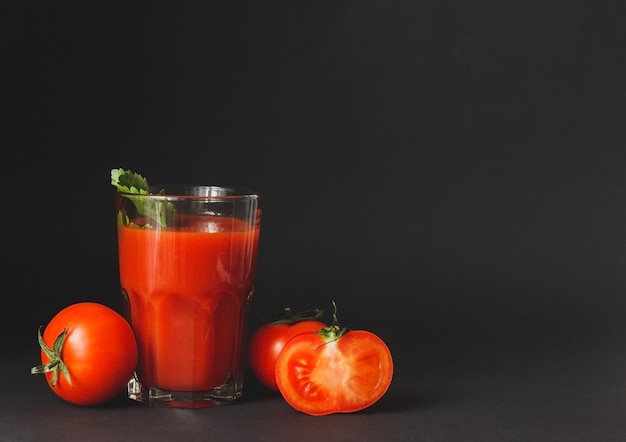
320	377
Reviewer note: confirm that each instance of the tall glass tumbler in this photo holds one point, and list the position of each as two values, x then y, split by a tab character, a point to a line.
187	261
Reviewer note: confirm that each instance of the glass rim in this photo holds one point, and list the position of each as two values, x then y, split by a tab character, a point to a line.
204	192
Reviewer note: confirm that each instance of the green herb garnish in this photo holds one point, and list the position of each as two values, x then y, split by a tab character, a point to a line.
131	182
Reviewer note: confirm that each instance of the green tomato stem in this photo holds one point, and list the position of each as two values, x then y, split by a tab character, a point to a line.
334	331
55	364
288	317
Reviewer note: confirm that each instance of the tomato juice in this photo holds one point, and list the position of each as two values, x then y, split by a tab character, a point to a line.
187	291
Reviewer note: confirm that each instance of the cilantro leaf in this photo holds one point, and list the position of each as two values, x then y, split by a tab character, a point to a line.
131	182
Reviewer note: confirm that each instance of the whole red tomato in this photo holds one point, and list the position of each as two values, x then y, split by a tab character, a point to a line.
334	371
88	353
269	339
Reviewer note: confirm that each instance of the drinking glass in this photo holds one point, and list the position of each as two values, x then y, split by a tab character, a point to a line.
187	261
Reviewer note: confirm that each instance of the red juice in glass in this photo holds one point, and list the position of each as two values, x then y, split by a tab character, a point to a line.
187	289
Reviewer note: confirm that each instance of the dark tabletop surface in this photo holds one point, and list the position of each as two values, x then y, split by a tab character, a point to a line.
553	391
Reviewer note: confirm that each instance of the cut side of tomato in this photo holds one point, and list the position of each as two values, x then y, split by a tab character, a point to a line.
334	371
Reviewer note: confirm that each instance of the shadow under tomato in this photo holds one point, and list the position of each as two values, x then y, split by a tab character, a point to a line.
120	401
399	401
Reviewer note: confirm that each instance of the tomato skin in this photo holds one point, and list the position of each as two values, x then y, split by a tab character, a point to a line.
268	341
100	352
320	376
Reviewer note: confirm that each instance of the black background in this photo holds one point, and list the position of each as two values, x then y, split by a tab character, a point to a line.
448	172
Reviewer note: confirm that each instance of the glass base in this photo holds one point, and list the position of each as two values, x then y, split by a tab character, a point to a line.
225	394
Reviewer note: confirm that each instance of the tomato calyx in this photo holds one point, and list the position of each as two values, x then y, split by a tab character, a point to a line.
334	331
55	364
287	317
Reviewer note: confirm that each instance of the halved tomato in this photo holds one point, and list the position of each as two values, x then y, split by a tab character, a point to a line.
334	371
